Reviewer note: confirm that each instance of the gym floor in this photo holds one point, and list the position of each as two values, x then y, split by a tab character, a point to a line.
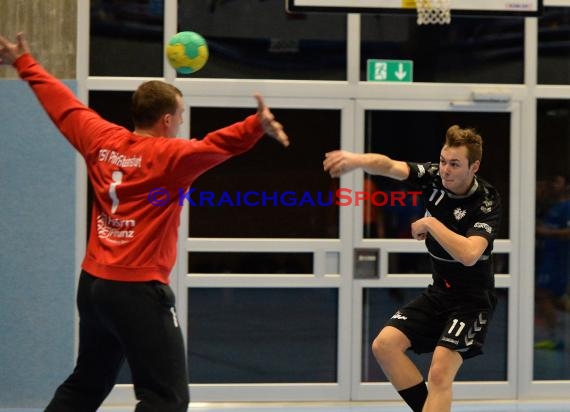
502	406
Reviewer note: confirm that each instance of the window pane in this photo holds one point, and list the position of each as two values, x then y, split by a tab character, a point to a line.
469	50
259	39
552	252
291	179
553	129
379	304
420	263
501	263
423	134
390	214
554	46
262	335
409	263
126	38
251	263
113	106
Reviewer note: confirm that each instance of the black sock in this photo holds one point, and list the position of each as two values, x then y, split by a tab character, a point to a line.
415	396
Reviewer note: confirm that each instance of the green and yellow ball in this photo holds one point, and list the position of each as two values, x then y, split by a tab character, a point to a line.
187	52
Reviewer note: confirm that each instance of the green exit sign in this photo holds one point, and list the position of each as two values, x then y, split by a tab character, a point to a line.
390	70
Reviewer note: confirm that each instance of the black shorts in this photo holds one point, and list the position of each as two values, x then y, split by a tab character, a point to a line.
458	321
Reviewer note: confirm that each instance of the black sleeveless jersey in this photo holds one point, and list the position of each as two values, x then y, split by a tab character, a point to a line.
476	213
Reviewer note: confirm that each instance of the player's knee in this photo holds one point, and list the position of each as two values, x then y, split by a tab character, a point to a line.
385	345
377	347
440	377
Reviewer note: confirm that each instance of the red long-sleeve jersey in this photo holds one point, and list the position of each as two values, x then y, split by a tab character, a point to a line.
131	239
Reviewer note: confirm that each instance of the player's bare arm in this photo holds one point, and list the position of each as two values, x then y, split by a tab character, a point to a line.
339	162
466	250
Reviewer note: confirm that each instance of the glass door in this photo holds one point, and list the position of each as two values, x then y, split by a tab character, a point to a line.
263	280
415	131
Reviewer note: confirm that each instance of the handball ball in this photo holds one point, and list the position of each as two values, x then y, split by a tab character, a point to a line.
187	52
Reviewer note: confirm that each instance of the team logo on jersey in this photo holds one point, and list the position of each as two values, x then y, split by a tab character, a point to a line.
399	315
487	206
485	226
115	230
459	213
421	170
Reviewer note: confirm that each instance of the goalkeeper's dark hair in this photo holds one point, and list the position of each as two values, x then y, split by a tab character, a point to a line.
151	101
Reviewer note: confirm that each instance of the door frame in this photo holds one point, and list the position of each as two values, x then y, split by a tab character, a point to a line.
462	390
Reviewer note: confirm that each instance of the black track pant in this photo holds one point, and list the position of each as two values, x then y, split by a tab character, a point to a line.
132	320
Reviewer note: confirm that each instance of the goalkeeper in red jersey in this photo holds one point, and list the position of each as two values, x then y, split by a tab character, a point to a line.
126	307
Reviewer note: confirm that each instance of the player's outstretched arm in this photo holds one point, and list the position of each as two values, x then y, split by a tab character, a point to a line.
9	51
339	162
78	123
271	126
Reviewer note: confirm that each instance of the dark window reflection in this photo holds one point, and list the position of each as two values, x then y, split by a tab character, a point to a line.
501	263
259	39
380	304
554	46
250	262
421	263
126	38
409	263
553	129
552	242
423	134
262	335
469	50
392	213
288	186
113	106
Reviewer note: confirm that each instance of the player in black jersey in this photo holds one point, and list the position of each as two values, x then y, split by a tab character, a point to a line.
451	317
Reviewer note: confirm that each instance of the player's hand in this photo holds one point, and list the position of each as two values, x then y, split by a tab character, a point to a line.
419	229
9	52
339	162
271	126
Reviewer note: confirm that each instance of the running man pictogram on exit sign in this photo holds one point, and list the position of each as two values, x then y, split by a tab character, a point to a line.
390	70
